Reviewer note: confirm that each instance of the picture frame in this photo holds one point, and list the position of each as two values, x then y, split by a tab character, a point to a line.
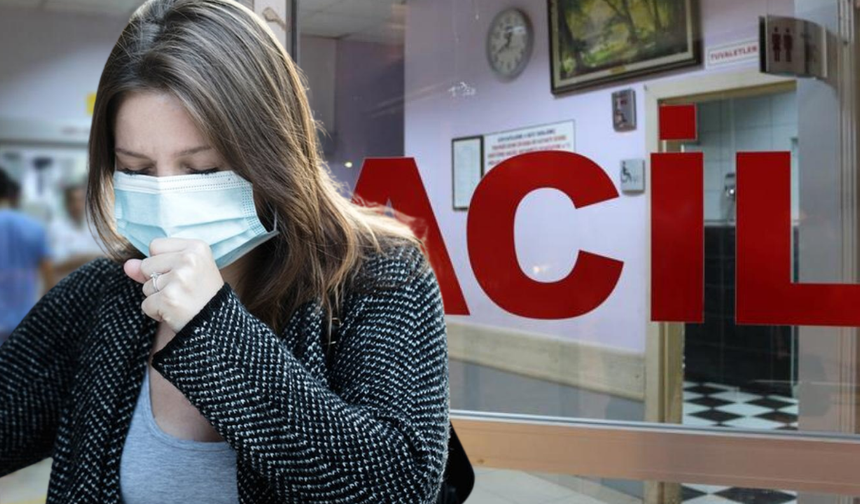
467	169
593	42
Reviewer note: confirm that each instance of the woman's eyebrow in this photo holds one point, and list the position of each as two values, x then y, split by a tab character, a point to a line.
185	152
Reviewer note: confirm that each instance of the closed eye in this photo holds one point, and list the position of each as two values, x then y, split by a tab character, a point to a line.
145	171
142	171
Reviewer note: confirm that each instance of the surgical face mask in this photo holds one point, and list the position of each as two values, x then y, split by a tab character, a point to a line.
217	208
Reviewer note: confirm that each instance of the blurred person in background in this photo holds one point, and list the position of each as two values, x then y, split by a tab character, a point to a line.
72	241
198	362
24	255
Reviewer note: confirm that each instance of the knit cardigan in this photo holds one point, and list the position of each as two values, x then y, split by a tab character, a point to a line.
372	428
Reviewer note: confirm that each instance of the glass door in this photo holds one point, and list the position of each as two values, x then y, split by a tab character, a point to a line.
521	137
580	395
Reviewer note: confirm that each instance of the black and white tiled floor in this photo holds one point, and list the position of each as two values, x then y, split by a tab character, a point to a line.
717	405
706	494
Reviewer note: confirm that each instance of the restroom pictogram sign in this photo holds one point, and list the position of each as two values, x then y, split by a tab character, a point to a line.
793	47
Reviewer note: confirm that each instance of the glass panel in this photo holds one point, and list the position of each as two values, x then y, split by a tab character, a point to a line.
545	262
511	348
390	79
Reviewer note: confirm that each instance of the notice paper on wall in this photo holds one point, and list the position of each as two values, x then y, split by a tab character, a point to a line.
467	169
507	144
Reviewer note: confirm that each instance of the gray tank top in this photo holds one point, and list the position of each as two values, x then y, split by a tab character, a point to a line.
157	467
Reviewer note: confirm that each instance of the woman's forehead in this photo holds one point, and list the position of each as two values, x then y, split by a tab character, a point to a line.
156	124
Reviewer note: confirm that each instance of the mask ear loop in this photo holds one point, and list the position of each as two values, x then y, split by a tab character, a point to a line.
275	224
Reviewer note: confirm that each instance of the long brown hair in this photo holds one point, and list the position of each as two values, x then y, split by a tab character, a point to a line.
246	95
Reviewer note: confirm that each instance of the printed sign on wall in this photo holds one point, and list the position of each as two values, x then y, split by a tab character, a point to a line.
507	144
729	54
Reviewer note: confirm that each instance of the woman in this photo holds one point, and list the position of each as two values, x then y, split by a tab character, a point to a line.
191	367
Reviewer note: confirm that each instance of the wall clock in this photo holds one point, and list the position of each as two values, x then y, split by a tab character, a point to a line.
509	43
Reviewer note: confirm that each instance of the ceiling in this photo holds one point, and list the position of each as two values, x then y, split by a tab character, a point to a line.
103	7
381	20
374	20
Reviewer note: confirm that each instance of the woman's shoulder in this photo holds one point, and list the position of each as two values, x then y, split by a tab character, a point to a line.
100	267
80	290
393	265
398	275
88	278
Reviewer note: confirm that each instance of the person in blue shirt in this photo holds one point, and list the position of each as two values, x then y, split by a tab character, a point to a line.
24	255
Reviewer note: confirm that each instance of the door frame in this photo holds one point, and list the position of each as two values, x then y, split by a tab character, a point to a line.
664	340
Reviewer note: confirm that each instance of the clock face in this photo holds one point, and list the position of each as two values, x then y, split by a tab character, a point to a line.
509	43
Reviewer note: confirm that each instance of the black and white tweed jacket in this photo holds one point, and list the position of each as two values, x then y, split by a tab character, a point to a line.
372	429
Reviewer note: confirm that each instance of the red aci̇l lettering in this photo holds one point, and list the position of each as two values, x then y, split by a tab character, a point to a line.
677	223
490	230
490	235
765	292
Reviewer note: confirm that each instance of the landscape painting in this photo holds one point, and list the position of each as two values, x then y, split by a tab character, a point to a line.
598	41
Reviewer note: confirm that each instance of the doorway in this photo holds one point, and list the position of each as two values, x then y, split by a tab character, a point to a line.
739	376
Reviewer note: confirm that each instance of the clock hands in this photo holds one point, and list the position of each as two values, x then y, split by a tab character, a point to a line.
509	33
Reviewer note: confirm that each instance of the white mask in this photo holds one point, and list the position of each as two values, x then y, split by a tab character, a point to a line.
217	208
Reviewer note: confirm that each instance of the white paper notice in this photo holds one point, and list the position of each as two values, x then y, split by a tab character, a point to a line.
467	170
507	144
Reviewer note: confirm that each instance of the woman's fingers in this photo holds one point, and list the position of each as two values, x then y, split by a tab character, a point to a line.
166	255
188	279
141	270
152	308
132	269
162	281
160	264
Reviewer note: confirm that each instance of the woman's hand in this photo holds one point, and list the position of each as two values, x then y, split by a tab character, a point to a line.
188	278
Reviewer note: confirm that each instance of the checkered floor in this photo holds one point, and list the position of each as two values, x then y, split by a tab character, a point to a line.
705	494
717	405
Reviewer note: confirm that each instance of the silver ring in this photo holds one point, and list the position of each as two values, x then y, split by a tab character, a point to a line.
154	276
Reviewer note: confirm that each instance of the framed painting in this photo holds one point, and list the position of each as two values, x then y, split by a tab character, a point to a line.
598	41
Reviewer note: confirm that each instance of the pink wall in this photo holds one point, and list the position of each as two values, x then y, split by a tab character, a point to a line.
444	47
